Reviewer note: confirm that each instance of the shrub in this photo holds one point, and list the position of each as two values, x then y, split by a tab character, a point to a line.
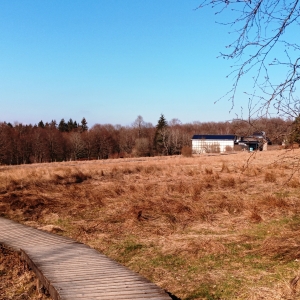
238	148
186	151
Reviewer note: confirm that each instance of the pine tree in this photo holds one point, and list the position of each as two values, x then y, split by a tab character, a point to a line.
161	136
70	125
41	124
162	122
84	126
62	126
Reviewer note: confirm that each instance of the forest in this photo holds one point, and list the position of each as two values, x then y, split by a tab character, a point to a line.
72	140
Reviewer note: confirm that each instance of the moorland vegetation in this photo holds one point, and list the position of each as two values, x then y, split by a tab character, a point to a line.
204	227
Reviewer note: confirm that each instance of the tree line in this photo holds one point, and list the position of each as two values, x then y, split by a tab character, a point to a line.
71	140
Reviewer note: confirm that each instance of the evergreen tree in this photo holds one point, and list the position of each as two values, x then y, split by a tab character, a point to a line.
41	124
84	126
162	122
62	126
70	125
161	136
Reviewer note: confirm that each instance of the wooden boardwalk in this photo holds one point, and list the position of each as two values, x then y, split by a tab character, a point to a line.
71	270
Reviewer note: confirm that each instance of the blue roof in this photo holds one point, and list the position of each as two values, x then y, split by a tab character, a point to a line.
214	137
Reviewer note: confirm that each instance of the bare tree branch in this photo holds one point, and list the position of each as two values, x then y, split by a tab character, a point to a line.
261	30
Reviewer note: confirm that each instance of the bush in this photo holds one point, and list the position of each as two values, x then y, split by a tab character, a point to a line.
239	148
186	151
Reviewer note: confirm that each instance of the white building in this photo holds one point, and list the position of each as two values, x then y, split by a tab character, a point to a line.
207	143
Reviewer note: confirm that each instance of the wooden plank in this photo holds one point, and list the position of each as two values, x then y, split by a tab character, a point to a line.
27	240
105	285
78	249
114	279
67	252
41	237
118	297
141	286
82	270
142	292
61	249
71	258
32	243
113	297
33	236
74	277
74	265
109	293
143	289
71	264
122	297
19	229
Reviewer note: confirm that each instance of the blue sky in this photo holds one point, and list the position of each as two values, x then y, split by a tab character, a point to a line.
110	61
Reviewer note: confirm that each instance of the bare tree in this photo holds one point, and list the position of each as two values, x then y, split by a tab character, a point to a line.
54	143
20	144
77	145
138	125
3	143
101	141
265	49
175	136
87	138
142	147
126	139
38	145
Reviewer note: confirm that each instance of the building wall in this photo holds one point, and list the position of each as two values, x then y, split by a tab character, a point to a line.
211	146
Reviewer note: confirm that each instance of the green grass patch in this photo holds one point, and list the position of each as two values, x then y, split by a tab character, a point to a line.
127	249
170	261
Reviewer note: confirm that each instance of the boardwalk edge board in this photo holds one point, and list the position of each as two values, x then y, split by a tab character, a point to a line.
50	288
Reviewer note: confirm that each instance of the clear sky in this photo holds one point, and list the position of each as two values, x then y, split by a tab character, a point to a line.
112	60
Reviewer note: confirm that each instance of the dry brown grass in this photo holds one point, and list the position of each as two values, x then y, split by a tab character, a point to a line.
17	281
205	227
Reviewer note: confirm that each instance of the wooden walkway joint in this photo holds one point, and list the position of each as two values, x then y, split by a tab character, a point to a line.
71	270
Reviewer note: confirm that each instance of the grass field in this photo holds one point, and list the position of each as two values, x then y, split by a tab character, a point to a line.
205	227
